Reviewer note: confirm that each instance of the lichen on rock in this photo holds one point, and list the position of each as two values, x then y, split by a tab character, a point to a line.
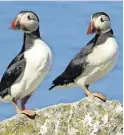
89	116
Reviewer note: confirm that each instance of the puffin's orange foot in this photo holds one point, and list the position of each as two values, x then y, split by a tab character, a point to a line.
98	95
29	113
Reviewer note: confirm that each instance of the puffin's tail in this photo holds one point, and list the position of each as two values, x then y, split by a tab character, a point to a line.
52	87
59	81
56	82
4	92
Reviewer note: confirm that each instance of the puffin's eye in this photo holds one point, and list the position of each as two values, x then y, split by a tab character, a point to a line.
29	18
102	19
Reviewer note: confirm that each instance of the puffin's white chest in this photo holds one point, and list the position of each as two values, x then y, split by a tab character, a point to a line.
103	53
35	57
101	61
38	64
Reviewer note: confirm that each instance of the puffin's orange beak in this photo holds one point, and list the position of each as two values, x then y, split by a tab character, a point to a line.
12	25
15	24
91	28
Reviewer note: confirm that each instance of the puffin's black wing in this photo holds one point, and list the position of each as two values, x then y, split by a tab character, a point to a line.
15	68
76	66
16	59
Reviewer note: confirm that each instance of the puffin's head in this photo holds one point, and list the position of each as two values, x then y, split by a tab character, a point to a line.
100	23
27	21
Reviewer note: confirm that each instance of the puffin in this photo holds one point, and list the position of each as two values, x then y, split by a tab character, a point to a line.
94	60
29	68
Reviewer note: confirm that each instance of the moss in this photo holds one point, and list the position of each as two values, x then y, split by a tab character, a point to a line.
81	128
67	108
41	119
102	111
18	128
60	133
51	129
102	132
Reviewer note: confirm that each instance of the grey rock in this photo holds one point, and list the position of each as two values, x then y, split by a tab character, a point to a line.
89	116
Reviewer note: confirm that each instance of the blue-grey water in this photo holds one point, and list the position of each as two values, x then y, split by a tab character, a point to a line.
63	27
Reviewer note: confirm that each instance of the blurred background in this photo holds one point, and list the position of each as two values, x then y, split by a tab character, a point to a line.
63	27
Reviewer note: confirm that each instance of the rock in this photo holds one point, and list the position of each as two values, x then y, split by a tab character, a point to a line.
89	116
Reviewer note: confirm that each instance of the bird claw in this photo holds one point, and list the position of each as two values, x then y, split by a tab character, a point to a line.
29	113
100	96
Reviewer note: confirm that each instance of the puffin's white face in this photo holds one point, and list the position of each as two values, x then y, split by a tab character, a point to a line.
100	23
26	21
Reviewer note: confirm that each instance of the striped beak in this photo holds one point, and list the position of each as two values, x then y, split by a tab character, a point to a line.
15	24
12	25
91	28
